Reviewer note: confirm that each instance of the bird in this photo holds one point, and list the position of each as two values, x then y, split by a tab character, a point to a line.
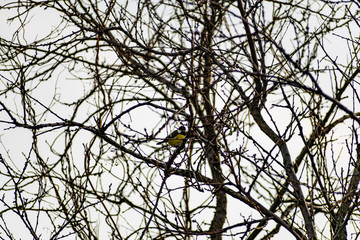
175	138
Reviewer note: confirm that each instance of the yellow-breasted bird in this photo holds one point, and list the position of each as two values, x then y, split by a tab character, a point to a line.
175	138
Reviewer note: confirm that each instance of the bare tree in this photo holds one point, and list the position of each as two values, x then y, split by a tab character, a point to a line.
268	92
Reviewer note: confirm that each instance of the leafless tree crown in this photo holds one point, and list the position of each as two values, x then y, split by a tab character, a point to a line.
268	92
